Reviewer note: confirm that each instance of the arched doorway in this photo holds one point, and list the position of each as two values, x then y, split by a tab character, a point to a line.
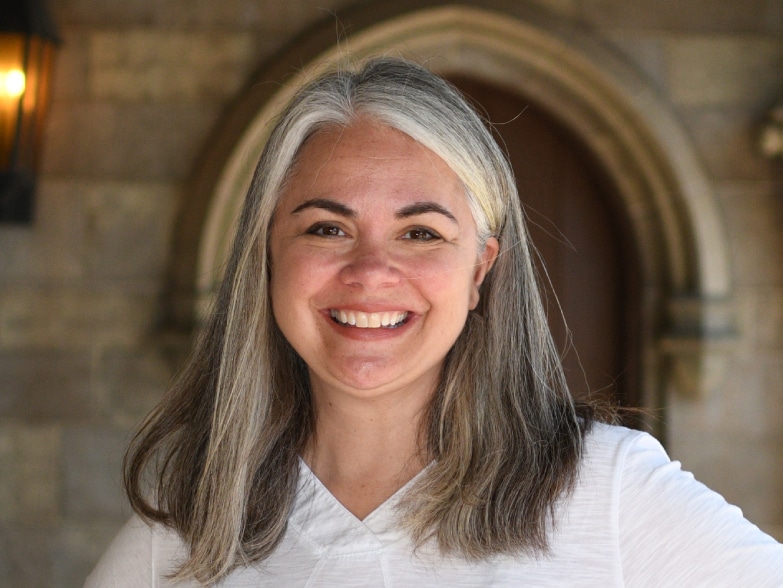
664	202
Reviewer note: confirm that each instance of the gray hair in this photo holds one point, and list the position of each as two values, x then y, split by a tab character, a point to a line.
502	429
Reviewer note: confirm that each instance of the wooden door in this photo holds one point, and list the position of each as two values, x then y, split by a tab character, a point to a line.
585	256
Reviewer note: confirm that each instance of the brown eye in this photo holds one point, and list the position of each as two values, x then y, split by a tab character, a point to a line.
421	234
326	231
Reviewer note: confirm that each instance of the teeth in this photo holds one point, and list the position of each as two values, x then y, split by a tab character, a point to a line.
369	320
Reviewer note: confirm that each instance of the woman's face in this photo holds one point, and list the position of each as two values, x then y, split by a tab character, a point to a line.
375	261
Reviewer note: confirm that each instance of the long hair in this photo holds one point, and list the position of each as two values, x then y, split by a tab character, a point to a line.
505	437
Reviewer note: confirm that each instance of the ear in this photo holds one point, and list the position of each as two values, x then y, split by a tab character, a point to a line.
486	261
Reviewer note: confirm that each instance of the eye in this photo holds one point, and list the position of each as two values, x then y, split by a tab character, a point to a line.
421	234
325	230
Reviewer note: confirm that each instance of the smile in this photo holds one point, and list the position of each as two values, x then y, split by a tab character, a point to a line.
369	320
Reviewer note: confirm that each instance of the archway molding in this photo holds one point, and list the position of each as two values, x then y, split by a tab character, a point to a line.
666	196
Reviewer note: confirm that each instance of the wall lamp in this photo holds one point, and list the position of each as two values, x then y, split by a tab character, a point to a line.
27	41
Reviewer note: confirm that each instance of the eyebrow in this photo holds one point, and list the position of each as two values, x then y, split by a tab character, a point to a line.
408	211
325	204
422	208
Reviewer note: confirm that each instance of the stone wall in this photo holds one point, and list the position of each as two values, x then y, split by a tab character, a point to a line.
85	348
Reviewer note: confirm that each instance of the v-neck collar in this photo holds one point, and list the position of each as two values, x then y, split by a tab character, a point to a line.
319	517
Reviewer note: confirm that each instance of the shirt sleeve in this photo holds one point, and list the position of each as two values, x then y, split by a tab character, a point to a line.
674	531
128	562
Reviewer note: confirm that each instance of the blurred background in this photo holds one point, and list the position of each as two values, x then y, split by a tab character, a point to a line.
647	138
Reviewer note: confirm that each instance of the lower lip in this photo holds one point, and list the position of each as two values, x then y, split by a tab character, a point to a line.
369	334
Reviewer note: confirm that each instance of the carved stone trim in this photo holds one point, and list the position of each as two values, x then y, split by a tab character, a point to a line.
698	344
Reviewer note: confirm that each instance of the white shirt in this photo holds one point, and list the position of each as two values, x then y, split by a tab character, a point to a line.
634	519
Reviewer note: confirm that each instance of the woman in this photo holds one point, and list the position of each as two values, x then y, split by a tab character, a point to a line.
376	400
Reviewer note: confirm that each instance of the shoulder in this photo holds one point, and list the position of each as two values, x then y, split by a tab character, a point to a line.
669	527
604	437
609	449
633	469
140	556
589	514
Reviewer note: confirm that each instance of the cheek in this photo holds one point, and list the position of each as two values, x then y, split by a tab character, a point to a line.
285	280
450	286
296	277
289	299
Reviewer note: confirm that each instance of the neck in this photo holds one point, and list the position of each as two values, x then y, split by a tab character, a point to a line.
364	450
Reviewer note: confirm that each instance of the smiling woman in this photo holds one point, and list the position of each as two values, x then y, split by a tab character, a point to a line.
376	400
370	225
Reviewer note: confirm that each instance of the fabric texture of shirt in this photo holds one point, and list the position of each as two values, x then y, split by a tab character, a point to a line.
635	519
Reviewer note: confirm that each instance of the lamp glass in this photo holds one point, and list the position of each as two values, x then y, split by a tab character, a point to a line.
25	65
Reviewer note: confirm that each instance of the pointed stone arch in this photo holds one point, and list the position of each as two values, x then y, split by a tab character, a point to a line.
619	115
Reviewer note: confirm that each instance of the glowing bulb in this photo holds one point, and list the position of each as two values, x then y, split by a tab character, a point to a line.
12	83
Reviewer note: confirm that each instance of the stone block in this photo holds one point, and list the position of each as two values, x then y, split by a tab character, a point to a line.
70	71
131	382
129	226
75	318
52	248
723	70
675	15
229	14
164	65
769	319
92	465
759	316
266	16
79	546
749	403
141	141
30	488
645	51
773	18
753	218
726	139
47	385
771	367
101	12
101	230
25	555
567	8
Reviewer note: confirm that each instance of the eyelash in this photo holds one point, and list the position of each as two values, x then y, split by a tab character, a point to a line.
319	229
425	235
429	234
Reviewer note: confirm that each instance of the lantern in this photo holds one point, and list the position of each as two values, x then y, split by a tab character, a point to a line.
27	40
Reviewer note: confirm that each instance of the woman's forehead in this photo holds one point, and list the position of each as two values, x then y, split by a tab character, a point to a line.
363	150
329	137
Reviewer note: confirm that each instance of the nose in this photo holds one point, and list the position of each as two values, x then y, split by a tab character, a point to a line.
370	266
